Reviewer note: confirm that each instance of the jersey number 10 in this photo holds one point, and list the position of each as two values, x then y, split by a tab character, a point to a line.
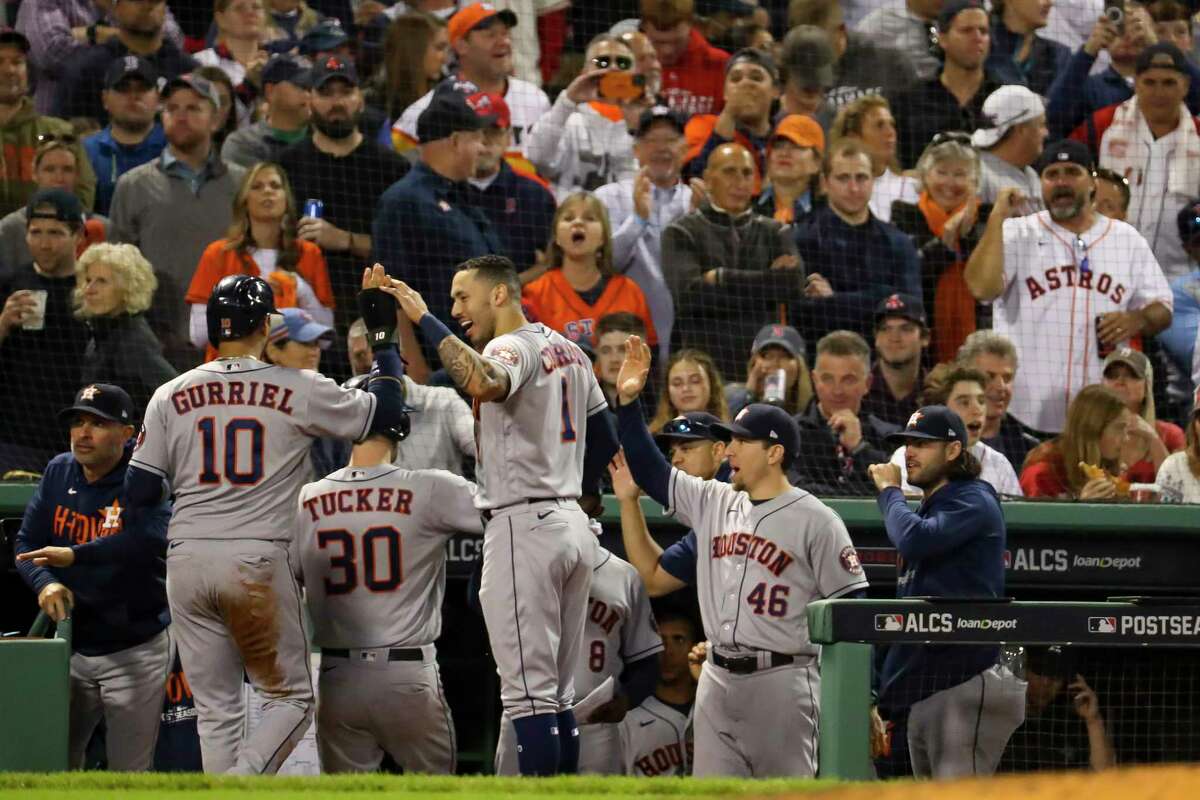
382	559
240	431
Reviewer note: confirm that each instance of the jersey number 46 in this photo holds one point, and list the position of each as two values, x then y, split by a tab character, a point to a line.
773	600
382	567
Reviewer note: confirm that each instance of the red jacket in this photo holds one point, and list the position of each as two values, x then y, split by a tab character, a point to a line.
1100	121
696	83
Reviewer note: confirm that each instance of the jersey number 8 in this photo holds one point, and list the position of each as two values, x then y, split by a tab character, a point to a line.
382	559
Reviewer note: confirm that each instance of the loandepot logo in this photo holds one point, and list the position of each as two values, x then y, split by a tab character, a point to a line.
938	622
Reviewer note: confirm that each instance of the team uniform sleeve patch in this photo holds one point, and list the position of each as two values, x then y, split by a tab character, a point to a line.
850	561
508	356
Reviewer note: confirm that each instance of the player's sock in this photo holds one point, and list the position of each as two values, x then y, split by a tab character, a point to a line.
538	744
568	743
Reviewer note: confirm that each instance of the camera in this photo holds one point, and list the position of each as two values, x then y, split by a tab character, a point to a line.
1114	11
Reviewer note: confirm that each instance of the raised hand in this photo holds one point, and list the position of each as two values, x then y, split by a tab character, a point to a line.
624	486
634	370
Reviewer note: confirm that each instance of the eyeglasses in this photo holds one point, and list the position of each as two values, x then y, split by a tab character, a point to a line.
65	138
605	62
958	137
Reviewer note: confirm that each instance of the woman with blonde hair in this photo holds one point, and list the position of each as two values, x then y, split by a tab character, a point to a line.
262	241
692	384
114	285
1129	373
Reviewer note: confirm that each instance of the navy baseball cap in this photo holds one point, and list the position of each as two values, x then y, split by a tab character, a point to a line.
130	66
690	427
67	207
103	400
784	336
326	35
1161	55
952	9
764	423
1188	221
932	423
656	114
333	68
449	112
1068	150
901	305
13	36
286	67
752	55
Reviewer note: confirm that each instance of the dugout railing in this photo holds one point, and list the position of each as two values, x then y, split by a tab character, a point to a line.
848	630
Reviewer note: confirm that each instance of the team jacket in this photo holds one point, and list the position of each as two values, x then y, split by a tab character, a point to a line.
952	546
696	83
551	301
117	606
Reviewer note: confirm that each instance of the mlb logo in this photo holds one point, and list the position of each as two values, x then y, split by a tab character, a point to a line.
889	622
1102	624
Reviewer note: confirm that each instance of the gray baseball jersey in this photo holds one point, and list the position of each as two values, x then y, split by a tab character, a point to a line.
656	740
758	566
531	443
237	428
372	544
620	626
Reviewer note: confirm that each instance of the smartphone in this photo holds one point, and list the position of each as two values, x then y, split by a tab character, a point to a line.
622	87
1103	350
1114	12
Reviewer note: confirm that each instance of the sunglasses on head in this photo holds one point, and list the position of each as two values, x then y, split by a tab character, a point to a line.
685	427
605	62
958	137
65	138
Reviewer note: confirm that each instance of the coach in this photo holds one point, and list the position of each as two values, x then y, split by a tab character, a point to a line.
119	639
952	707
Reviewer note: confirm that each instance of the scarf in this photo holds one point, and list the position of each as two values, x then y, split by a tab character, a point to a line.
953	303
1121	152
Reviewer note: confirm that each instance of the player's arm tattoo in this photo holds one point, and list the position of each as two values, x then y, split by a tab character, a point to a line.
473	373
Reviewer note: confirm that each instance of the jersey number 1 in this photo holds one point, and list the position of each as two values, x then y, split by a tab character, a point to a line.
243	430
568	428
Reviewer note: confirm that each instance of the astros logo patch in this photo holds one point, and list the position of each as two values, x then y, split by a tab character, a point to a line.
850	561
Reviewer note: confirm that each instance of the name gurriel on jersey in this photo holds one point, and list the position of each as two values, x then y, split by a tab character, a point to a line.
233	393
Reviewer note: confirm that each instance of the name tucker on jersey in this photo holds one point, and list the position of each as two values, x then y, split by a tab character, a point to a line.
233	393
360	501
764	551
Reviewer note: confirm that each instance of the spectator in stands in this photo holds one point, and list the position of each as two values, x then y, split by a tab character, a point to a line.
693	70
140	31
641	208
945	225
776	347
862	67
1179	339
114	285
907	26
425	226
838	440
793	168
953	99
853	260
580	287
1128	372
961	389
55	166
294	17
1112	195
1096	427
171	208
227	119
327	39
898	377
1027	263
1172	23
519	205
869	120
347	172
22	129
996	357
416	52
1179	475
481	37
262	241
691	383
1010	143
296	340
1140	137
133	135
120	657
728	268
285	90
806	72
608	340
41	342
239	49
584	141
645	60
751	87
1019	53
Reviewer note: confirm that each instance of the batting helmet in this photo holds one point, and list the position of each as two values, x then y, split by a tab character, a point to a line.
398	432
237	307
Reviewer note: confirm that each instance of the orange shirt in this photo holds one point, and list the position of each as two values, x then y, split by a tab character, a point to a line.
551	301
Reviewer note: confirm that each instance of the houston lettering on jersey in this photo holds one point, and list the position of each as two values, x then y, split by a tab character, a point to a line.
604	617
665	760
81	528
1070	276
764	551
359	501
233	393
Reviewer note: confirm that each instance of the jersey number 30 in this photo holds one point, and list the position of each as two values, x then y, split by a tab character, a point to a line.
382	559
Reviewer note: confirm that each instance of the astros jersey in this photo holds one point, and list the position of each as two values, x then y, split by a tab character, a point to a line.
1055	285
759	566
551	300
531	443
232	437
372	543
656	740
620	626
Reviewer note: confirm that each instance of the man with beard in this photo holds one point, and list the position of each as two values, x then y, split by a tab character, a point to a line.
901	336
348	172
140	32
1068	285
132	136
176	205
952	708
22	129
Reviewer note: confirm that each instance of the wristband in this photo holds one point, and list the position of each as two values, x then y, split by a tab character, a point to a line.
433	330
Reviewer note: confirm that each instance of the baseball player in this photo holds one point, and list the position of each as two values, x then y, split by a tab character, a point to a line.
620	640
1067	283
119	645
372	540
954	707
231	437
537	401
764	550
656	736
